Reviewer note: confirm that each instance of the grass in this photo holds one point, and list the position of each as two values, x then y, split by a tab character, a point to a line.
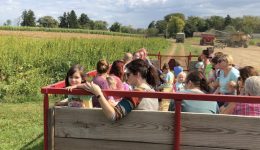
254	41
21	126
189	48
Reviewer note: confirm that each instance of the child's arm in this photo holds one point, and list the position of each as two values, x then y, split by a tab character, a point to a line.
80	86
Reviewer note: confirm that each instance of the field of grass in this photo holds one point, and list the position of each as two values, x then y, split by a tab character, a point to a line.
21	126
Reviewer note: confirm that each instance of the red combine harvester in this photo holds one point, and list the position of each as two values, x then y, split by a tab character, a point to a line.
207	39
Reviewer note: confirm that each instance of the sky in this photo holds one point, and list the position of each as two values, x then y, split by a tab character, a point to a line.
138	13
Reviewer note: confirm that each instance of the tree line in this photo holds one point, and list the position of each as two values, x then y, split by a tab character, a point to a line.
176	22
167	27
72	21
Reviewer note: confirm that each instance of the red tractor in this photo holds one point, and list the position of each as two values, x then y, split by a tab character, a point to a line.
207	39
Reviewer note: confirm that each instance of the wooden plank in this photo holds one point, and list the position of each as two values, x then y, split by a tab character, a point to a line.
50	128
144	126
200	130
224	131
83	144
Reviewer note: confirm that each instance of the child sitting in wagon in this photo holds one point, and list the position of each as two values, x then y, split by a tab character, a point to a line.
76	76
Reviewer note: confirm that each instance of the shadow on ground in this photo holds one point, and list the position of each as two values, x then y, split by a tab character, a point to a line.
35	144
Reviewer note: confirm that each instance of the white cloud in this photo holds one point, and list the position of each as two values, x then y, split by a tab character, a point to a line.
138	13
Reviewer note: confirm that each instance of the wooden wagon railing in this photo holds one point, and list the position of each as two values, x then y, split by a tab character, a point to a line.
68	128
199	131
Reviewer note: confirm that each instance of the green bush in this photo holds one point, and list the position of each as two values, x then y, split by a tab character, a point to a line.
252	42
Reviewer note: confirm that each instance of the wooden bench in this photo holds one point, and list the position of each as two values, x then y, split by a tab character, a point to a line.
80	129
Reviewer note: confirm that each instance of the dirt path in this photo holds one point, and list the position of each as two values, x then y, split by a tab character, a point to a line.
176	49
242	56
170	51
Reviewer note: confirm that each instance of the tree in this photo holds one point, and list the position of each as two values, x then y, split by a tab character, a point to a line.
140	31
202	25
249	24
174	26
216	22
28	18
150	32
189	29
115	27
8	23
128	29
194	24
228	20
48	22
64	21
151	25
179	15
72	20
161	25
100	25
237	23
84	21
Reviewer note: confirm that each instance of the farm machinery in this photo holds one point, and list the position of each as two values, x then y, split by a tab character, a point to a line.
238	39
207	39
180	37
235	39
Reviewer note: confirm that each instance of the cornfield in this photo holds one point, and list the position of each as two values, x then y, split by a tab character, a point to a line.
28	63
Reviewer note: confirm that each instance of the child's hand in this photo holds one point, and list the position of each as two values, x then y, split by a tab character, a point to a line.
70	88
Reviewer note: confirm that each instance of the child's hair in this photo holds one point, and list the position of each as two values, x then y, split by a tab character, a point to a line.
102	66
72	70
111	82
117	69
181	73
208	52
215	59
199	80
165	66
218	54
200	58
247	72
143	53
